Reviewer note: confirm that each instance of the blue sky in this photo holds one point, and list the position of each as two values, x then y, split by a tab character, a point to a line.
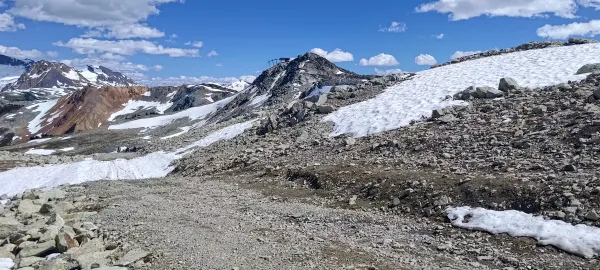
155	38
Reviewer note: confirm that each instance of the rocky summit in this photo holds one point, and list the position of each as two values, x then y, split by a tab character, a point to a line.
487	162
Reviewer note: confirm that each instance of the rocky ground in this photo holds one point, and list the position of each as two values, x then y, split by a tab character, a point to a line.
285	195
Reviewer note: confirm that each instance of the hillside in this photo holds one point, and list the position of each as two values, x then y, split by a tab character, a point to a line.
489	162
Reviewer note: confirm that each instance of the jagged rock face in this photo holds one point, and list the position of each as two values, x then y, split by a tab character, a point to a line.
104	76
44	74
87	109
198	95
285	82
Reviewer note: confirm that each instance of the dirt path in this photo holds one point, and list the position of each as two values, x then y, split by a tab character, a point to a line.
218	224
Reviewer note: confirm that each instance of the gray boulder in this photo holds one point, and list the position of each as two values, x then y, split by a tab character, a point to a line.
8	225
508	84
483	92
28	207
318	100
588	68
597	94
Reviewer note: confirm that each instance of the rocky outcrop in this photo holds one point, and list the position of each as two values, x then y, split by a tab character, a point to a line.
283	83
49	230
87	109
198	95
522	47
45	74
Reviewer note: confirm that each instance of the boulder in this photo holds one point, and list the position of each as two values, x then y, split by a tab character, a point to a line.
588	68
28	261
39	249
49	233
478	92
65	241
56	220
27	207
8	225
325	109
596	94
508	84
318	99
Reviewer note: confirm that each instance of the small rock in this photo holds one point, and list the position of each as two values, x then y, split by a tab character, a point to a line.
569	168
352	200
46	209
325	109
350	141
132	257
540	109
592	215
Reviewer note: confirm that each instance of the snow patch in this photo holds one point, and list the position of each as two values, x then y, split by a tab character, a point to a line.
41	152
580	239
67	149
72	75
135	105
42	108
259	99
153	165
6	263
398	105
191	113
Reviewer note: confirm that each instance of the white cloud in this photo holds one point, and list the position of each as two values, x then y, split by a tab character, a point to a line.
123	47
388	72
174	36
336	55
395	27
112	56
158	67
219	65
425	60
381	59
7	23
590	3
197	44
122	18
212	53
440	36
459	54
466	9
18	53
52	54
157	81
591	28
125	32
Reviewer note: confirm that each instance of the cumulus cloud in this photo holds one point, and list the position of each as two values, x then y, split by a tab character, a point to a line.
564	31
21	54
123	47
52	54
212	53
112	56
466	9
381	59
440	36
197	44
7	23
125	31
160	81
336	55
388	72
158	67
122	18
425	60
590	3
459	54
395	27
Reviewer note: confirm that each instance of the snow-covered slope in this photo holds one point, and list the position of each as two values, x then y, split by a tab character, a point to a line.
237	86
428	90
45	74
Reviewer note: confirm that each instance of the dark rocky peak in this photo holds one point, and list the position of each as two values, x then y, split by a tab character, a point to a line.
11	61
101	75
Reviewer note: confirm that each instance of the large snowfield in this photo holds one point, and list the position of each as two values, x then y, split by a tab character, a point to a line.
580	239
410	100
154	165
